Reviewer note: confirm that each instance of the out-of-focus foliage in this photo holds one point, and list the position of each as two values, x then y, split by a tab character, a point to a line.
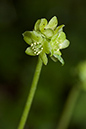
17	69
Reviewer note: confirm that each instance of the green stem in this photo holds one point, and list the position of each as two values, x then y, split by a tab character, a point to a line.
69	107
31	94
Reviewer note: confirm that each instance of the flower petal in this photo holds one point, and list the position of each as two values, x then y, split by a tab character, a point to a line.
46	46
27	37
64	44
29	51
59	58
52	23
57	52
54	59
44	58
59	29
56	40
36	36
48	33
61	37
43	23
36	27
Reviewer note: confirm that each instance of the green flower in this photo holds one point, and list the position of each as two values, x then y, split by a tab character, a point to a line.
47	29
58	41
38	45
46	38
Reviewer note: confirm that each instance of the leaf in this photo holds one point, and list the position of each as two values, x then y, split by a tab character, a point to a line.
64	44
44	58
27	37
52	23
29	51
36	27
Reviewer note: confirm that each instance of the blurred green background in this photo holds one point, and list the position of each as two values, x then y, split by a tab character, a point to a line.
17	68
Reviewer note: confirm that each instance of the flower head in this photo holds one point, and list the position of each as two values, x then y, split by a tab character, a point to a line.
46	38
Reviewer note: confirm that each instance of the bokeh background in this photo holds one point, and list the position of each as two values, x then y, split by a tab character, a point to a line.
17	68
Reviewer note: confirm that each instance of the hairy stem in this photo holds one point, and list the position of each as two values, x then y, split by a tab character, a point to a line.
31	94
69	107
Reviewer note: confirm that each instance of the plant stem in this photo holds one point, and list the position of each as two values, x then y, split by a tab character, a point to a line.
31	94
69	107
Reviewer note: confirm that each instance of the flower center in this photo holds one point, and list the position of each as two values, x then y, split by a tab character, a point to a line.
37	47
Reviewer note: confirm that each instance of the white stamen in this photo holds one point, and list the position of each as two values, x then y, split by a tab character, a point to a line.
31	44
38	53
37	42
32	47
34	52
34	43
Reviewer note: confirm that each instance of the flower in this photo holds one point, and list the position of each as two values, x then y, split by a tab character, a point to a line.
47	29
38	45
46	38
58	41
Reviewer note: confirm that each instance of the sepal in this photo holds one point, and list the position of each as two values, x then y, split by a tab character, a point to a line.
46	47
29	51
27	37
44	58
52	23
48	33
64	44
36	27
43	23
59	29
60	59
36	37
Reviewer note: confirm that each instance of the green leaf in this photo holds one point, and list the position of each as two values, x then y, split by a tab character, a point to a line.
36	27
52	23
43	23
29	51
44	58
36	36
59	58
64	44
27	37
48	33
59	29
